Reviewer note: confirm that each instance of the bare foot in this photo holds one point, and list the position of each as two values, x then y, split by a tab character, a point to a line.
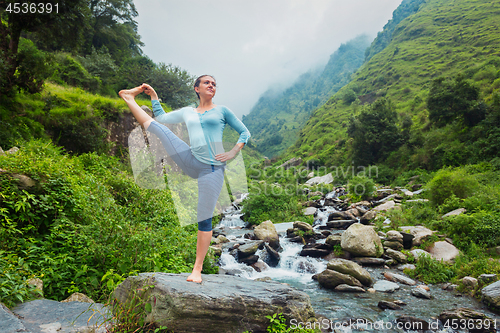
129	94
194	277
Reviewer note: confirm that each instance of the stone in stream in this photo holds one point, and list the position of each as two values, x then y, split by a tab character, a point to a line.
415	324
351	268
340	224
272	257
349	289
491	295
399	278
220	304
315	250
249	260
340	215
465	316
386	305
302	226
330	279
361	240
249	248
333	240
266	231
385	286
421	293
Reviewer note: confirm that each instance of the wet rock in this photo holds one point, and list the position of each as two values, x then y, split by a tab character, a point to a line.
266	231
443	250
349	289
385	286
249	248
315	250
421	293
340	224
273	256
396	255
469	281
249	260
217	251
399	278
260	266
221	239
466	316
306	266
351	268
386	305
369	261
361	240
333	240
78	297
399	302
339	215
413	323
424	287
302	226
221	304
419	233
330	279
454	212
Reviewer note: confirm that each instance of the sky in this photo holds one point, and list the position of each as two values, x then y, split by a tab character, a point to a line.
250	46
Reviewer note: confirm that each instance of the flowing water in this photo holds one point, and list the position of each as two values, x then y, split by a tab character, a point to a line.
297	271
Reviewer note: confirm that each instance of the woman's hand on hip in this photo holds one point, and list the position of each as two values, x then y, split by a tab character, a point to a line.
225	156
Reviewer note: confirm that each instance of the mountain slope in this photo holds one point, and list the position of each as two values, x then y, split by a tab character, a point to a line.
443	39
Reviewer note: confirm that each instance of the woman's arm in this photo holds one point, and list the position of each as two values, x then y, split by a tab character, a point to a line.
238	125
158	112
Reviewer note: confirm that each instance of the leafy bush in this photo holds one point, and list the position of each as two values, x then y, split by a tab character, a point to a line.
68	70
361	186
430	270
448	182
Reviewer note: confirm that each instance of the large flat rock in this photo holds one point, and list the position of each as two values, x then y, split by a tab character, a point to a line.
9	323
221	303
37	316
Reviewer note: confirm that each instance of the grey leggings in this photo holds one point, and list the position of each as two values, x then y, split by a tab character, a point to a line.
210	177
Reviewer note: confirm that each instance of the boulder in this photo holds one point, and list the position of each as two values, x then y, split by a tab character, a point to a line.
393	235
361	240
386	305
454	212
340	224
368	216
330	279
221	239
326	179
248	248
399	278
421	293
12	150
266	231
24	182
396	255
350	268
417	253
340	215
394	245
1	151
444	251
302	226
315	250
491	295
310	211
220	304
369	261
385	286
333	239
406	266
349	289
419	233
469	281
9	323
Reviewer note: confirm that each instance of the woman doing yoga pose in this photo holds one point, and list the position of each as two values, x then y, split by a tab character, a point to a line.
204	159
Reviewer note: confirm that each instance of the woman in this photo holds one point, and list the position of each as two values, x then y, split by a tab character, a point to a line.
205	159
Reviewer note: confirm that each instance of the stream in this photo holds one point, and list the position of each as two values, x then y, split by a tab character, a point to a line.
297	271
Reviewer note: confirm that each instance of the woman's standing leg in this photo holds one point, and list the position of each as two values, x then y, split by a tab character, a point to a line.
209	187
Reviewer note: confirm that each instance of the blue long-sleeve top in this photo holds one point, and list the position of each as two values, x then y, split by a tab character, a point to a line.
205	129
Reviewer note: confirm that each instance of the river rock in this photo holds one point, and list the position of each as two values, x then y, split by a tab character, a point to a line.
351	268
385	206
340	215
216	250
469	281
386	305
221	239
396	255
443	250
249	260
369	261
273	256
414	323
220	304
421	293
394	245
330	279
78	297
354	212
393	235
9	323
310	211
385	286
340	224
417	253
487	278
368	216
315	250
406	266
349	289
260	266
333	239
399	278
326	179
463	315
302	226
419	233
266	231
248	248
491	295
454	212
361	240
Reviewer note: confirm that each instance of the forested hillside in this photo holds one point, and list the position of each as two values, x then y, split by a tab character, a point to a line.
428	100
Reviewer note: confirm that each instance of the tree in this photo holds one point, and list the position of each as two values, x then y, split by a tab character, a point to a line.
375	133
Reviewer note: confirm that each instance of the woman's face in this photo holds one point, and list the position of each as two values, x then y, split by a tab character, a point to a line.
207	87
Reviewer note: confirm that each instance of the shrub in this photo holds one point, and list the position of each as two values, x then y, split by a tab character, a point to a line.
448	182
361	186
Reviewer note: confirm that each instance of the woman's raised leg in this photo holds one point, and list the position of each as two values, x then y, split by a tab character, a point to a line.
129	97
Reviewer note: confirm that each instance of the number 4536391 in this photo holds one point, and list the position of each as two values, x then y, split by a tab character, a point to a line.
32	8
